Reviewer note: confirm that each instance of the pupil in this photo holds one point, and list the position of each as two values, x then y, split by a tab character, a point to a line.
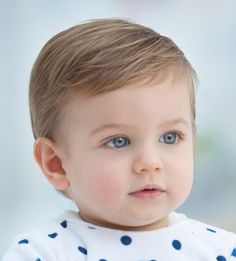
170	138
119	142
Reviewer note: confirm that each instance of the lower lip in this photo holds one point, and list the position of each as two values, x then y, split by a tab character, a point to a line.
147	194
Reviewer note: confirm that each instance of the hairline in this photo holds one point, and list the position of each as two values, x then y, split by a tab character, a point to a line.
60	136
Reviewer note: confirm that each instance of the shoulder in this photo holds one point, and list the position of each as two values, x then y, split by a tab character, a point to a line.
47	242
203	229
212	237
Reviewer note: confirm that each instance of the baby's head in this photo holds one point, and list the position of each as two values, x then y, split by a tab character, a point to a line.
113	114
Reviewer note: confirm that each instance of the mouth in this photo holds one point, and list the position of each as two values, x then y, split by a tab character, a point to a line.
149	191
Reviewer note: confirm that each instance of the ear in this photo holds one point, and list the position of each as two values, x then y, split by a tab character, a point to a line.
47	156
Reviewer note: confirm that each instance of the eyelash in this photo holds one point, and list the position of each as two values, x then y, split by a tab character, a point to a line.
179	137
116	137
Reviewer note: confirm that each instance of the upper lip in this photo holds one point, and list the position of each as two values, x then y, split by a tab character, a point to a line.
149	187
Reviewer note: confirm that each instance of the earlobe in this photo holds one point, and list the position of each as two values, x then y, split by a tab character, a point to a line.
50	161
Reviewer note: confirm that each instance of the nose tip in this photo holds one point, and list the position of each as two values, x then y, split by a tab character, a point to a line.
147	165
148	170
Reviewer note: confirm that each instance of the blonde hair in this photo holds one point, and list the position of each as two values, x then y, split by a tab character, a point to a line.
97	57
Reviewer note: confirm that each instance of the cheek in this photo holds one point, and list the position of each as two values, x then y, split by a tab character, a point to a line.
186	173
106	185
182	178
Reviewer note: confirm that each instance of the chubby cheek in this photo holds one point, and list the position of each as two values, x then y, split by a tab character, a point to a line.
181	184
106	186
183	187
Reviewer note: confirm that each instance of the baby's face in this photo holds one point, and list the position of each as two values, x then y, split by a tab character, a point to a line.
130	160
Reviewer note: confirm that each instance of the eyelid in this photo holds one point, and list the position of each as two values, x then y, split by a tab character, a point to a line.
113	137
109	139
180	133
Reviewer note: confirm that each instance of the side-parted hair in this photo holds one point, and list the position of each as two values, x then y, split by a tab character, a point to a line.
96	57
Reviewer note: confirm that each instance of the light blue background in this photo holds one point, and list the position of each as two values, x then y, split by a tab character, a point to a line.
205	30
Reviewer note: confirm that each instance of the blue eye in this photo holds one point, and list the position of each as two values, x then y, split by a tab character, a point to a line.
118	142
170	138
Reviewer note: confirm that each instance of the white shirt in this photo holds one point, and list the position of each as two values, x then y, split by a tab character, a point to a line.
68	238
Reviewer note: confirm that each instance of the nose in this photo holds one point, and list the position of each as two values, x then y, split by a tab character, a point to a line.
148	161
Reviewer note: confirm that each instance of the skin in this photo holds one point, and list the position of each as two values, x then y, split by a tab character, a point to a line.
153	124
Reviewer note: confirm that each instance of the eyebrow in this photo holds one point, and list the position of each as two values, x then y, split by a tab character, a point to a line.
180	121
127	126
110	126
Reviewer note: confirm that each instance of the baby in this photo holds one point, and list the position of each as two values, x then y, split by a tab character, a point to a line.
113	114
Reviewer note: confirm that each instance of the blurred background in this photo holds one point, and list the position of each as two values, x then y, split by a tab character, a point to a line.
205	30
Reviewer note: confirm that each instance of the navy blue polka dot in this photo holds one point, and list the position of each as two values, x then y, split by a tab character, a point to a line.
102	260
211	230
234	252
93	228
221	258
53	235
176	244
126	240
23	241
64	224
83	250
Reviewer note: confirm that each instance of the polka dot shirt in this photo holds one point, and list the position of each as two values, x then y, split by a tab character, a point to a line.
69	238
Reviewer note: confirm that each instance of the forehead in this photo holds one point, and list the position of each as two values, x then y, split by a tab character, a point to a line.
140	101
